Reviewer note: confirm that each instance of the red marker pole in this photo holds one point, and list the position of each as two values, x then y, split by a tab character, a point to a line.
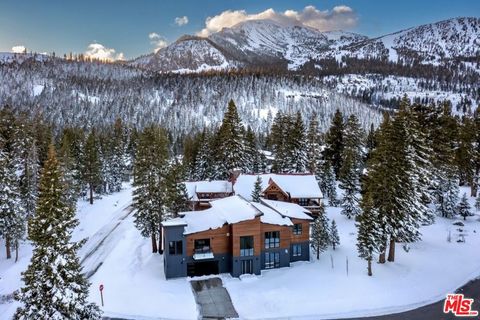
101	292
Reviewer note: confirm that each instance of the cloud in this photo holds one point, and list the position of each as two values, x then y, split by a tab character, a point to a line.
19	49
340	17
157	41
99	51
181	21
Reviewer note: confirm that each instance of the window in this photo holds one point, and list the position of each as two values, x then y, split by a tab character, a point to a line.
246	246
272	260
297	229
297	250
202	246
272	239
303	202
175	247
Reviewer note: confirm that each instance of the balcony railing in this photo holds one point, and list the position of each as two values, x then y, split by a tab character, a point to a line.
202	253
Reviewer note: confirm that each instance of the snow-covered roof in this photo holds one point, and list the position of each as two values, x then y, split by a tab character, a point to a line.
214	186
235	209
298	185
271	216
287	209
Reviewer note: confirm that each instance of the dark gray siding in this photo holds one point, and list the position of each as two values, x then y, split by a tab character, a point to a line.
237	265
224	262
284	257
305	252
175	265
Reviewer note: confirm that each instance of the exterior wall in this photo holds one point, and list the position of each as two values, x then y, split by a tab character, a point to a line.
246	228
284	254
219	240
275	193
237	265
305	236
224	262
305	256
174	265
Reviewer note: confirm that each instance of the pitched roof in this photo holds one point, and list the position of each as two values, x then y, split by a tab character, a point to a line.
287	209
235	209
297	185
214	186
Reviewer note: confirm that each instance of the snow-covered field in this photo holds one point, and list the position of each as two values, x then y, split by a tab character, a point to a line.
136	288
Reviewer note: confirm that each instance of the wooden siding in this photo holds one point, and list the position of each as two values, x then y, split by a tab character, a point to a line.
285	234
219	240
305	236
246	228
275	193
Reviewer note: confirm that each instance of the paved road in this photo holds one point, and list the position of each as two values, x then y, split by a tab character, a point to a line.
435	311
213	298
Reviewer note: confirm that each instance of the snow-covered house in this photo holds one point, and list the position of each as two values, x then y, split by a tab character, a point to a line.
236	236
301	189
200	193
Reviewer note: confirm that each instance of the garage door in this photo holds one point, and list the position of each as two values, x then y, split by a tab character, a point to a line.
203	268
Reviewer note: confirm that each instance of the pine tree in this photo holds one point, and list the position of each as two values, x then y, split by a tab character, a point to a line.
253	163
296	148
334	238
149	196
334	143
55	287
176	191
369	237
447	198
477	204
12	213
203	161
257	189
278	140
118	157
327	183
314	152
91	164
231	144
320	233
464	208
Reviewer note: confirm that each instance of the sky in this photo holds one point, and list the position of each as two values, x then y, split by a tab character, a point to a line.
121	29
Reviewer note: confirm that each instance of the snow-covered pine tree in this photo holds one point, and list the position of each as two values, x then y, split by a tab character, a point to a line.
314	151
477	204
350	184
176	191
231	143
296	148
334	238
149	199
253	163
320	233
203	161
55	287
334	143
118	156
278	140
91	164
464	208
328	184
447	197
257	189
369	237
12	213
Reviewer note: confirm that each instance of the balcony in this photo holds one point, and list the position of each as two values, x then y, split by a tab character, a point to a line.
202	253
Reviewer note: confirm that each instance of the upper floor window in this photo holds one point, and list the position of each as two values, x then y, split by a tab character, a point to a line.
303	202
297	229
272	239
246	246
175	247
202	246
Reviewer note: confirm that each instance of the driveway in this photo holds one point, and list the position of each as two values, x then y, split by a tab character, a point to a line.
213	299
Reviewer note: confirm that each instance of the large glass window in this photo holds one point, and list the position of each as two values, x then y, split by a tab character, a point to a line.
297	229
272	260
272	239
246	246
297	250
175	247
202	246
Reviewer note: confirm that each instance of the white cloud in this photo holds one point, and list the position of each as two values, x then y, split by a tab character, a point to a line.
340	17
180	21
18	49
99	51
157	41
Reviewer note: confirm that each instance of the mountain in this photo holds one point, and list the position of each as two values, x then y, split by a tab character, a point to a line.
259	43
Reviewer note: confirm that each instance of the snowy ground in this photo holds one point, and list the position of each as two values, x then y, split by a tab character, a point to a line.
315	290
135	286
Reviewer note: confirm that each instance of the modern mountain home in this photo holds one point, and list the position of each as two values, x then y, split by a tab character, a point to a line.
236	236
200	193
301	189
